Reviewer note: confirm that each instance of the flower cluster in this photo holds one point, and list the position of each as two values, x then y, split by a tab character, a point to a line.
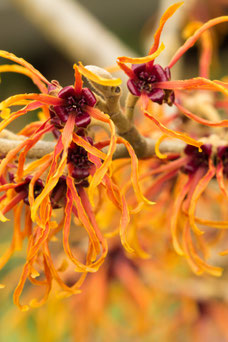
81	182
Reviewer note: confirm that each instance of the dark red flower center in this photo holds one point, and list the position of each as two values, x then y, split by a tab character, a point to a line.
144	82
197	159
78	157
73	103
38	187
222	153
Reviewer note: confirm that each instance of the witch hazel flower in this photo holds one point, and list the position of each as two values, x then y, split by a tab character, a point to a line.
69	177
186	187
74	102
143	79
152	82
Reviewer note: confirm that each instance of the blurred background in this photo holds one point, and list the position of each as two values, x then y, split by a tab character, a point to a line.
52	35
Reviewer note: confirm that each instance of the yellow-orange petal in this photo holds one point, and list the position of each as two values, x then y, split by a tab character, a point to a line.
88	147
124	221
197	264
191	41
22	62
54	174
158	142
180	196
168	13
31	141
42	98
206	50
190	115
22	70
3	218
77	80
140	60
102	170
134	172
71	193
98	79
211	223
201	186
174	134
195	83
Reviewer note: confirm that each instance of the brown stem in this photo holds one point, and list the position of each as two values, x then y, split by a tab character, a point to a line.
38	151
131	101
45	147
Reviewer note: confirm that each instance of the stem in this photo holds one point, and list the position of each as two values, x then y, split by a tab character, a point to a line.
45	147
130	106
38	151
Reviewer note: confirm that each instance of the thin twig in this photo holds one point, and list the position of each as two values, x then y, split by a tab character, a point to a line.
45	147
38	151
130	106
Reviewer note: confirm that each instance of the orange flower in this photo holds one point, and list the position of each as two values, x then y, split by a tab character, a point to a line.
60	178
151	82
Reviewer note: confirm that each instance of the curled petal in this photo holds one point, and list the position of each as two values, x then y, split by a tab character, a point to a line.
92	229
22	62
70	290
145	101
66	230
43	166
34	303
191	41
19	288
159	181
222	123
24	71
88	147
15	115
211	223
194	84
172	133
86	204
36	164
42	98
198	265
30	143
54	174
98	79
3	218
180	196
125	219
140	60
201	186
100	172
111	188
206	50
168	13
158	142
134	172
176	164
